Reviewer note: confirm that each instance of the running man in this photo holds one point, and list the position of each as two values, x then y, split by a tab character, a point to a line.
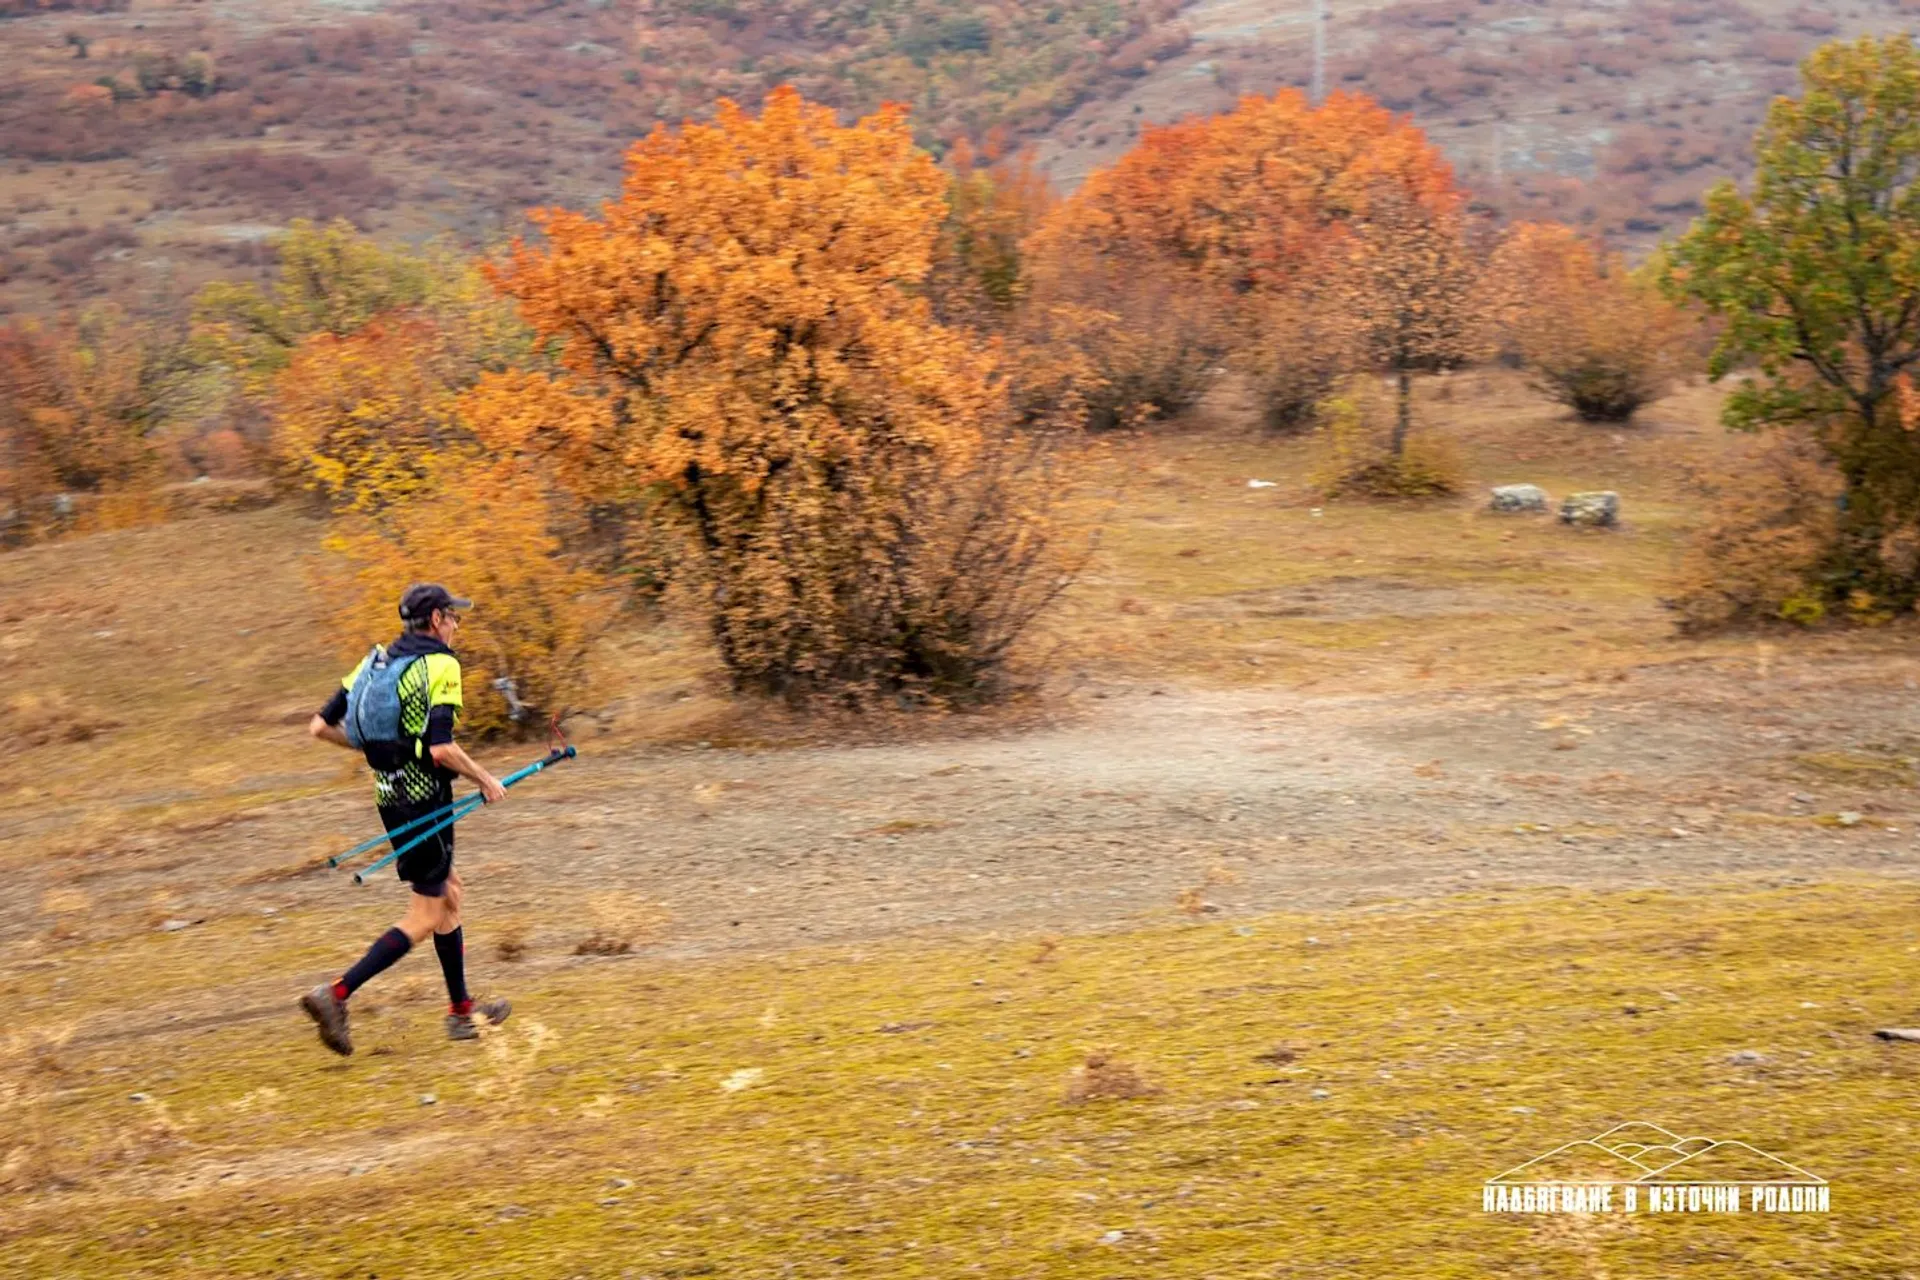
411	778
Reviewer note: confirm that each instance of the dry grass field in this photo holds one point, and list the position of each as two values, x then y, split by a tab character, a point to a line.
1342	856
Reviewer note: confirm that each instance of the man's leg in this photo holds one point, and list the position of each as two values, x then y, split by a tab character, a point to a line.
450	941
327	1005
450	944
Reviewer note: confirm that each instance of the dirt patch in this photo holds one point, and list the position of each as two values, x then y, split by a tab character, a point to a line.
1348	598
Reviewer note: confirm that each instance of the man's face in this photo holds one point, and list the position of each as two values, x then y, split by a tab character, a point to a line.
446	625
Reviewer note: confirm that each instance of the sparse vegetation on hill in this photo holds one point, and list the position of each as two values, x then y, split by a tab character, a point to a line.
181	128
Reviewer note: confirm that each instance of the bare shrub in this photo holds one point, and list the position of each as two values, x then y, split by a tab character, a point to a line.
281	183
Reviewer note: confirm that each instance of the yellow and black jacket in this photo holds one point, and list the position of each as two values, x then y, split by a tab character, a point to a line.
404	775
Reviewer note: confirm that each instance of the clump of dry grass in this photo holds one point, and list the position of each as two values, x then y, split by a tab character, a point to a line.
48	719
32	1155
510	941
620	922
1193	902
1104	1077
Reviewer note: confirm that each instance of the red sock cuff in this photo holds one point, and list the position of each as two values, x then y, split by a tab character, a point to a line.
340	990
460	1008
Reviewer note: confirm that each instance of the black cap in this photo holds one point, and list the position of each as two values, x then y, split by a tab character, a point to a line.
423	598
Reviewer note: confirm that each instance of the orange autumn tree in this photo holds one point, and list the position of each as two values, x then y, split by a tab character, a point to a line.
1593	335
1411	282
747	357
1233	220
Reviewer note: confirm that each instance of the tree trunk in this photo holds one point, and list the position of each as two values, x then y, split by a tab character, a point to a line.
1403	423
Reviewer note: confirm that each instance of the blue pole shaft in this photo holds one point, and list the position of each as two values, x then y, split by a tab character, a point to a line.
368	846
461	808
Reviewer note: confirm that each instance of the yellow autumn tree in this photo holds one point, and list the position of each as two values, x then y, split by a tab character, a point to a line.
360	355
360	418
748	358
331	279
487	528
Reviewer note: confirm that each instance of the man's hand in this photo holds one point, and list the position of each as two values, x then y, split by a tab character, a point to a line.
325	732
450	755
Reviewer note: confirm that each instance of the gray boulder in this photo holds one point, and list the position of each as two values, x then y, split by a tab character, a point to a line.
1594	510
1519	497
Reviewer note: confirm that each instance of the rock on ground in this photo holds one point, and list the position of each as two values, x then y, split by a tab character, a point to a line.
1594	510
1518	497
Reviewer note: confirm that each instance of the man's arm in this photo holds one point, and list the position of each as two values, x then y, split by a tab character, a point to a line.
325	724
443	708
451	755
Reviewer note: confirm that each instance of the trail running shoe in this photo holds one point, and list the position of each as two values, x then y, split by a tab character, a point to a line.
329	1013
465	1026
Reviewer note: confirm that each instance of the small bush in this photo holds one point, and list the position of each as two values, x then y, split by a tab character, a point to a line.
1771	522
1594	337
1356	456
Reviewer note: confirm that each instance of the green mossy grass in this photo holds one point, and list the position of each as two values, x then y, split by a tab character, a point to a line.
902	1109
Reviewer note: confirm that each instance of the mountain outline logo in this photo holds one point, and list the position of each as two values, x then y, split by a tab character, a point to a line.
1639	1166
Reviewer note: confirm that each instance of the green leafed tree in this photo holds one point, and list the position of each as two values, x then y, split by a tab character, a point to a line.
1816	277
332	279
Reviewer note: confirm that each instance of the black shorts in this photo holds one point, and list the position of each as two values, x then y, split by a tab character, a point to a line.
427	865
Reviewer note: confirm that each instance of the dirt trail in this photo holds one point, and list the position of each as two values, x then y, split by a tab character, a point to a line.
1260	799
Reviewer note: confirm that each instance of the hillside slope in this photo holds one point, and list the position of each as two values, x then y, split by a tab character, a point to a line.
155	142
1616	115
151	144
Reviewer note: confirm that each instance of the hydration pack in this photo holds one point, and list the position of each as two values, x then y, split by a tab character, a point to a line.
373	703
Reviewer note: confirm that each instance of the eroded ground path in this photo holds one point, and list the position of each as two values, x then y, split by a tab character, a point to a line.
1143	803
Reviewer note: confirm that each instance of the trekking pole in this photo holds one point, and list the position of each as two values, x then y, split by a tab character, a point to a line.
461	808
368	846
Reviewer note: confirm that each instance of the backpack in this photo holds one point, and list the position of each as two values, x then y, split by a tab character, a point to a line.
373	703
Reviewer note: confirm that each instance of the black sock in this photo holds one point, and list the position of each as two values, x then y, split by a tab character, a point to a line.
452	949
382	955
